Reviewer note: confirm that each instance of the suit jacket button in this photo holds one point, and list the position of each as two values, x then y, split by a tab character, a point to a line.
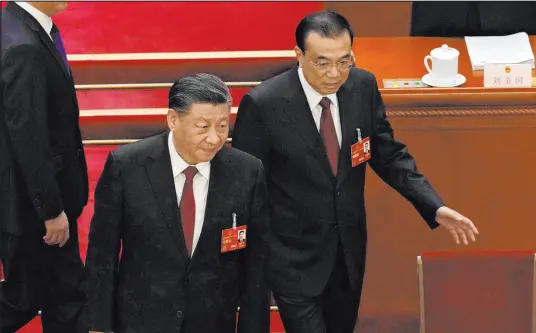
335	225
180	314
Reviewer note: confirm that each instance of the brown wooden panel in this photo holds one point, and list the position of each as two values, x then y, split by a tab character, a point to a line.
482	165
494	295
375	19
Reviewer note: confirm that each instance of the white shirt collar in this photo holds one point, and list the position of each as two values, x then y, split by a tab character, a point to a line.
178	165
313	97
44	20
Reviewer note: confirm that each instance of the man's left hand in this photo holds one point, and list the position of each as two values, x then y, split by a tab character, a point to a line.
458	225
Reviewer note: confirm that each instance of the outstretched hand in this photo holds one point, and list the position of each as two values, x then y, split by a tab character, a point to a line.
459	226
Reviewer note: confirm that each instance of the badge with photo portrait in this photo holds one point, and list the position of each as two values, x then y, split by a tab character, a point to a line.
234	239
360	152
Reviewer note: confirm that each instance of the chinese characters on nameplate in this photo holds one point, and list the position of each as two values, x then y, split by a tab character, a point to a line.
507	75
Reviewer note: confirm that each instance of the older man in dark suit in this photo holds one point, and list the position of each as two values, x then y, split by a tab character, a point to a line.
43	174
310	126
175	203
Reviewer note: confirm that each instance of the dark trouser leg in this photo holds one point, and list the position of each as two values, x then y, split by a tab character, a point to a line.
19	298
333	311
301	314
341	302
63	305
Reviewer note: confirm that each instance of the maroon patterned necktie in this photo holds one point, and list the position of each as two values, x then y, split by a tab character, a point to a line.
187	208
327	131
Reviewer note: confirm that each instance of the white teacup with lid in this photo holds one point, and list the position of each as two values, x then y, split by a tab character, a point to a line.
444	69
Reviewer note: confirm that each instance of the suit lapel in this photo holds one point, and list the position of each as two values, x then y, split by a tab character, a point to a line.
218	184
161	177
35	26
55	53
299	112
351	118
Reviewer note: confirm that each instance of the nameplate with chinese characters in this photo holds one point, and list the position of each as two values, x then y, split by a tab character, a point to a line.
507	75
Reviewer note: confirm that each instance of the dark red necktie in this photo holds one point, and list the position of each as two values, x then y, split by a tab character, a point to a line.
187	208
327	131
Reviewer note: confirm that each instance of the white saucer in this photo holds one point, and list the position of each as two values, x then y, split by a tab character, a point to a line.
459	80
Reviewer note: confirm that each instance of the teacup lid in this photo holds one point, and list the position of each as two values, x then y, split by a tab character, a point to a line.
445	52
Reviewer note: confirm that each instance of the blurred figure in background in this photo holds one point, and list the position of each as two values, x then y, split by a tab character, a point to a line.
472	18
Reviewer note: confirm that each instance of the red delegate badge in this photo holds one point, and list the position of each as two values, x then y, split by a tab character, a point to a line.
233	239
360	152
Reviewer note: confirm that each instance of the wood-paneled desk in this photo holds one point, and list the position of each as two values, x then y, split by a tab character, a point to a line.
475	145
402	57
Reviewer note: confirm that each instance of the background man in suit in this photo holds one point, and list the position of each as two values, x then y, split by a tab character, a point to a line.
301	124
43	174
472	18
166	200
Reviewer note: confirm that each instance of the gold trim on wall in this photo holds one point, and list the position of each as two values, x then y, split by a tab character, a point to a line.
480	97
131	112
421	294
153	85
457	112
168	85
182	55
108	142
413	112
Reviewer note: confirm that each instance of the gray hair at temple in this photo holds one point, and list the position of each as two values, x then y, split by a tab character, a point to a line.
198	89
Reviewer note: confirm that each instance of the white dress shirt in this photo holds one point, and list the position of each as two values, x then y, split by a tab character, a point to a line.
44	20
314	98
201	179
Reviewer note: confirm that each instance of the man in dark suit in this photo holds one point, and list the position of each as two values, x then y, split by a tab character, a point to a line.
175	202
43	175
472	18
302	124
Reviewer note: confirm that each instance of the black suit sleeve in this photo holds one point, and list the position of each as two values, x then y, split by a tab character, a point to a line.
26	113
249	132
254	316
392	161
103	248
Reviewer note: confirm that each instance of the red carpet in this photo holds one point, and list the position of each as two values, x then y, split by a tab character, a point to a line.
132	27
